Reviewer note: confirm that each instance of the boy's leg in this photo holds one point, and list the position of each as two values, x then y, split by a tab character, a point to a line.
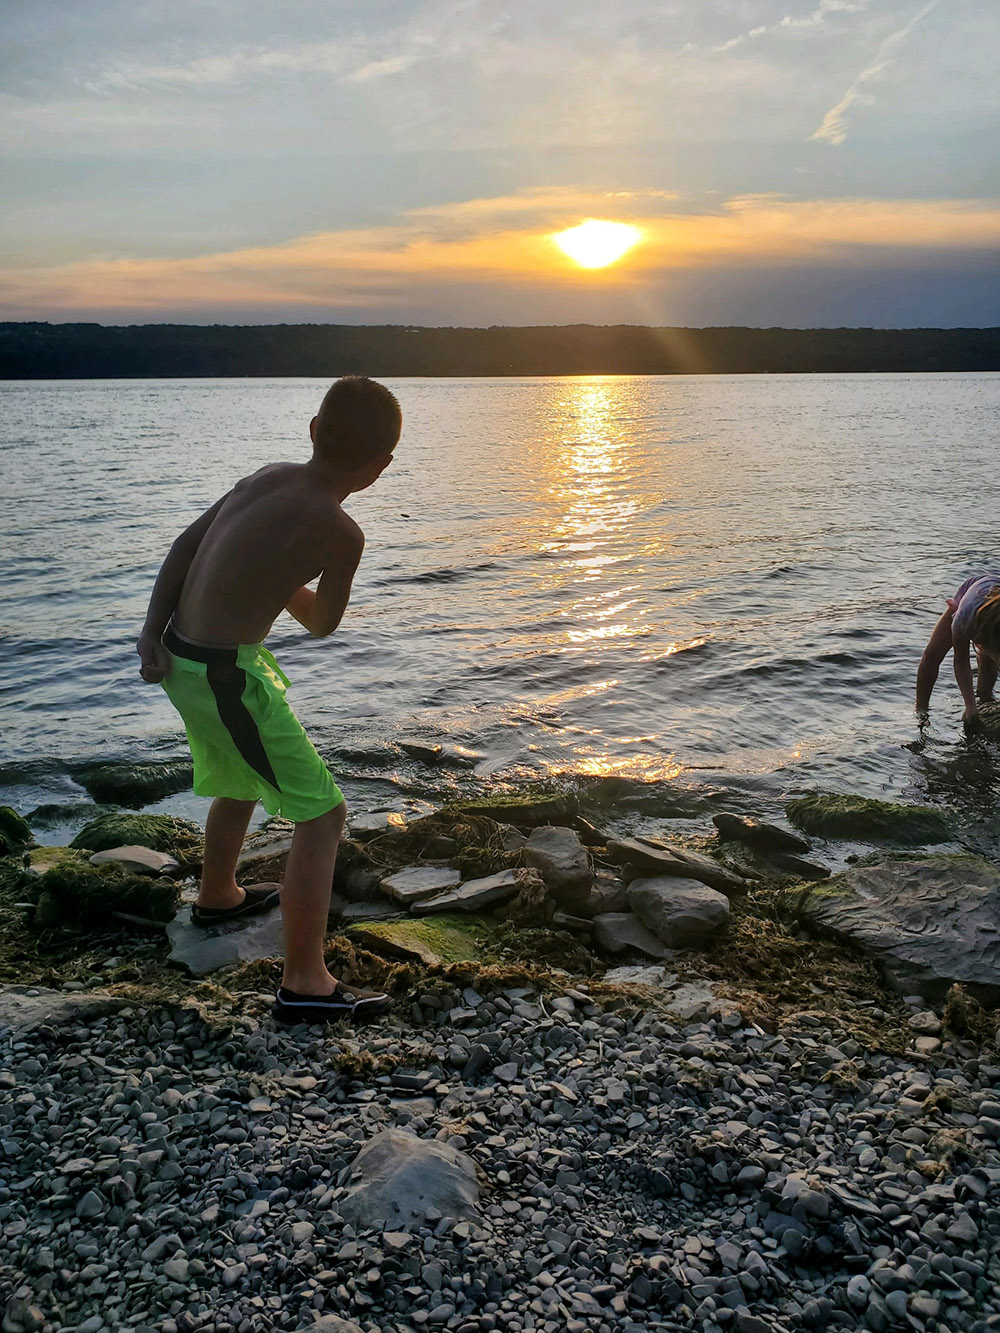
225	830
305	902
987	675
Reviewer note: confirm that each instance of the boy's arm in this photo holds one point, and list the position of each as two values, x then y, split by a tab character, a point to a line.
166	594
320	612
963	674
934	654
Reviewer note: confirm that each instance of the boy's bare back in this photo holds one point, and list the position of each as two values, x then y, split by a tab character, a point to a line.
274	532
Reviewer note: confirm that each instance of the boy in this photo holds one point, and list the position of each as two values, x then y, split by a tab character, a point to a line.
972	618
223	583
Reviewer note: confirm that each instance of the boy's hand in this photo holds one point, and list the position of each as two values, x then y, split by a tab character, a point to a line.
972	723
153	661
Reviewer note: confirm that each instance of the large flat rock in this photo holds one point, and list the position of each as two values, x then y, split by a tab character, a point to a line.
201	950
476	894
561	859
414	883
646	857
928	923
623	932
25	1007
680	912
399	1179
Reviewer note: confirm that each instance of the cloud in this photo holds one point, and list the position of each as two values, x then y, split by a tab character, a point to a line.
228	69
834	124
815	19
502	245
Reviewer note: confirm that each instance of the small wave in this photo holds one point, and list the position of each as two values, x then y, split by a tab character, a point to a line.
448	574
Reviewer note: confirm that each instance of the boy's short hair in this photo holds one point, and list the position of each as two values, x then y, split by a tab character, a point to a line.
985	627
358	421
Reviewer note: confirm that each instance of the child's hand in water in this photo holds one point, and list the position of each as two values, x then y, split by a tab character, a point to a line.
972	723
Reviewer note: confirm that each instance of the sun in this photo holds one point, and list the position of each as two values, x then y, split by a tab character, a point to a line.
596	244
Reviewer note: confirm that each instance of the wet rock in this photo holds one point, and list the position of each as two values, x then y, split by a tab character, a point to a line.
410	885
372	824
476	894
645	857
561	860
401	1180
827	815
163	833
43	859
23	1008
15	834
433	942
681	912
135	785
786	864
138	860
200	950
927	923
764	837
619	932
522	812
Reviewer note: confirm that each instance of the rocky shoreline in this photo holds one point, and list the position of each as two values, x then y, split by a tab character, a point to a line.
708	1113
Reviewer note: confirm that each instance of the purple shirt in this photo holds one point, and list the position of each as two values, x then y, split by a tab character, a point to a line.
967	601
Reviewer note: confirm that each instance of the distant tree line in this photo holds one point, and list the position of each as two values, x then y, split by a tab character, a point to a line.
97	351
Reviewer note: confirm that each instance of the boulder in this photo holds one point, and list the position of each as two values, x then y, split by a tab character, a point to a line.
561	860
434	942
138	860
135	785
927	923
42	859
401	1179
476	894
200	950
621	932
643	856
414	883
164	833
680	912
827	815
15	834
764	837
25	1007
607	894
522	811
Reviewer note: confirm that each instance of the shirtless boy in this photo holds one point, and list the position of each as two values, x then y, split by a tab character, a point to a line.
223	583
972	619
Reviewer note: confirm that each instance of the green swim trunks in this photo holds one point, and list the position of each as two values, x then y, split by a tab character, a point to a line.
245	740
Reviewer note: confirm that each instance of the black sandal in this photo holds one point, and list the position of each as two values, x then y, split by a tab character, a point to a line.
254	901
291	1007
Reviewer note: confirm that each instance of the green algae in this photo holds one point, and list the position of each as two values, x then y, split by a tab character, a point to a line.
163	833
826	815
528	809
15	834
135	785
436	941
70	896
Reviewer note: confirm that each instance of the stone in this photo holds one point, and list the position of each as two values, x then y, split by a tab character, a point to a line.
648	858
200	950
561	859
402	1180
927	923
331	1323
607	894
521	811
135	785
827	815
432	942
15	833
410	885
786	864
24	1008
695	1000
511	839
372	824
635	974
766	837
43	859
617	932
163	833
264	854
476	894
137	860
680	912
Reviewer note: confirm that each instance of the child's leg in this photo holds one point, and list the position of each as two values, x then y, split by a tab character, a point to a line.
225	830
305	902
987	676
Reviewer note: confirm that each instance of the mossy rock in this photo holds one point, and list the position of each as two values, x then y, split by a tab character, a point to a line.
135	785
432	941
75	896
163	833
55	813
15	834
866	820
43	859
525	810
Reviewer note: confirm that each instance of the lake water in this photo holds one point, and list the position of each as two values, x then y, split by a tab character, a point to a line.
713	587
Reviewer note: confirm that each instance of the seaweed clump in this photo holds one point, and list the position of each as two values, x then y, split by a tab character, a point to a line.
15	834
75	896
826	815
163	833
135	785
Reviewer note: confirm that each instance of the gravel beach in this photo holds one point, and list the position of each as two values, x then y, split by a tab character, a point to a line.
175	1170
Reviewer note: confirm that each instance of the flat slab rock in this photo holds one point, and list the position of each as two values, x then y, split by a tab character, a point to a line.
765	837
414	883
927	923
201	950
623	932
399	1179
653	858
680	912
25	1007
476	893
139	860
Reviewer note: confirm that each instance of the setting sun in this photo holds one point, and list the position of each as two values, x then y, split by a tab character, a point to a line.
595	244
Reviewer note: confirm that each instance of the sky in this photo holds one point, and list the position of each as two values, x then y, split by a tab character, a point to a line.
787	162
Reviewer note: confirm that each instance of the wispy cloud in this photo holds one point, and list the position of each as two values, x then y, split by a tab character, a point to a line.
230	68
789	22
834	124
